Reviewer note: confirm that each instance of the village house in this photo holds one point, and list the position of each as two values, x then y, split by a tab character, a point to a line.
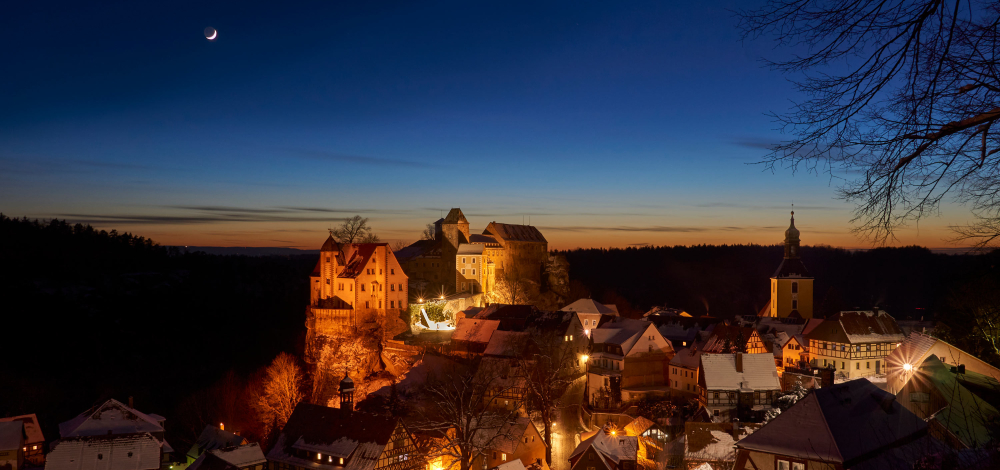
607	449
34	444
792	284
517	440
12	438
211	438
911	353
853	425
628	359
684	372
651	439
736	385
955	391
321	438
245	457
354	286
591	313
854	343
110	432
735	338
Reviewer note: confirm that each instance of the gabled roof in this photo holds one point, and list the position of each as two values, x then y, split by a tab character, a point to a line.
136	451
588	306
511	232
11	435
858	327
425	248
846	423
687	357
638	426
110	417
31	427
615	448
966	415
359	256
356	436
624	332
474	330
719	372
330	245
214	438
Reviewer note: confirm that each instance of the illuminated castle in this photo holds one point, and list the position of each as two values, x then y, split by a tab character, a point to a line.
354	285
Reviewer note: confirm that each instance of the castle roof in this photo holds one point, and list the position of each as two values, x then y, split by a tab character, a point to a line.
359	258
483	239
455	216
330	245
511	232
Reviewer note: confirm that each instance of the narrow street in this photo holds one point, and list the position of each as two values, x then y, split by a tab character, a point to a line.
564	434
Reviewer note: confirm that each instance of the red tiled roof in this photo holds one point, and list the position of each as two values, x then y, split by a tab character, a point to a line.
361	253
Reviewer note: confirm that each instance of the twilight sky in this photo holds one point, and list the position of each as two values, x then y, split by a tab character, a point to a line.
606	123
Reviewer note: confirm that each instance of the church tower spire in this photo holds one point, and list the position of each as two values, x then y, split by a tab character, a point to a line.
792	240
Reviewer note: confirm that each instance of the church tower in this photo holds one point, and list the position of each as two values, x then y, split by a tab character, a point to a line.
791	284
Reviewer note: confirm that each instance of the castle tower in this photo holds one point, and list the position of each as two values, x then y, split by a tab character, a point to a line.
454	231
347	393
328	266
791	284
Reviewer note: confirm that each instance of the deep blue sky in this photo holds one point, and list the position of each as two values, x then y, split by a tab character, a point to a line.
608	123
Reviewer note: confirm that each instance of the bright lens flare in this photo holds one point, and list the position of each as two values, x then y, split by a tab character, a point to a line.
907	367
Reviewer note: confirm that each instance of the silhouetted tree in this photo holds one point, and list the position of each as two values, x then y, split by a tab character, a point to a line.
355	230
903	93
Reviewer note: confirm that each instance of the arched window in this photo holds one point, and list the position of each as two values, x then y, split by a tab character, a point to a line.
795	288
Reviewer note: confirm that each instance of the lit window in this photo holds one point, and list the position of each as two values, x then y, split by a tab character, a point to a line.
503	457
34	447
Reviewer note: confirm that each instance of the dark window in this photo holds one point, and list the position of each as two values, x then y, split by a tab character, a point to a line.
795	288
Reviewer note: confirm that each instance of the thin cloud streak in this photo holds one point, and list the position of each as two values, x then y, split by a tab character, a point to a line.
656	229
358	159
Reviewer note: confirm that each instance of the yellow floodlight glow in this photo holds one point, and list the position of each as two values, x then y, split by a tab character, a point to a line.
907	367
584	358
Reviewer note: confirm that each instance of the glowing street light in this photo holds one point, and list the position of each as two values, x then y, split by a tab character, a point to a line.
420	300
584	358
907	367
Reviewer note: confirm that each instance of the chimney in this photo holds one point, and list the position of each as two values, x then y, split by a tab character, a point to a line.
739	362
736	429
886	402
131	403
875	309
961	368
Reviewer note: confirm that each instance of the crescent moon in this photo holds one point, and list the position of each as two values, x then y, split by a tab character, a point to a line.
213	36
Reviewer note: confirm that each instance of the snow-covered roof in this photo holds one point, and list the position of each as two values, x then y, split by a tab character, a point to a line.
474	330
614	446
241	456
136	451
214	438
110	417
505	438
712	442
31	427
589	306
687	358
512	465
858	327
11	435
759	372
638	426
357	436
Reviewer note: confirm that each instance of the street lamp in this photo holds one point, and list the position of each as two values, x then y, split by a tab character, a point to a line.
907	367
